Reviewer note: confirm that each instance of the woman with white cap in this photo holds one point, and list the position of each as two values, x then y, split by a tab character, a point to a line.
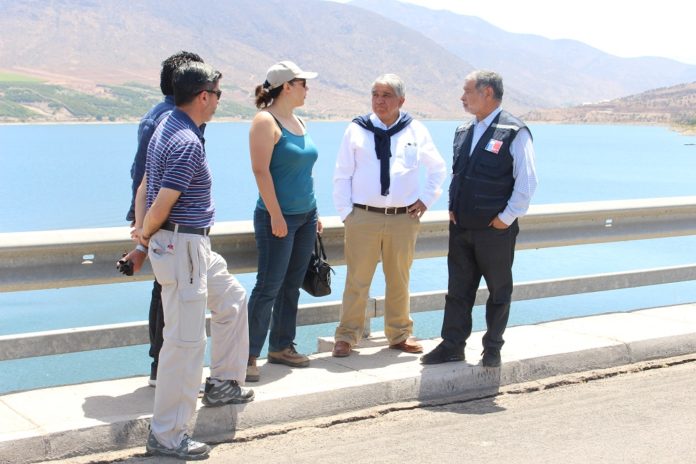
285	218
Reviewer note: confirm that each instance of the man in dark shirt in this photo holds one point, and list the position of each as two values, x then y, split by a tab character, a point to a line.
145	130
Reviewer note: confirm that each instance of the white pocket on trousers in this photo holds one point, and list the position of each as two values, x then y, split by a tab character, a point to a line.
193	293
162	259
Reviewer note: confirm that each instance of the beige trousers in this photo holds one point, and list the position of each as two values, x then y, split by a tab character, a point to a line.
370	237
194	278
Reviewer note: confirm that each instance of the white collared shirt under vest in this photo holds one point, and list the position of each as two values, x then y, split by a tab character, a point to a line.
523	169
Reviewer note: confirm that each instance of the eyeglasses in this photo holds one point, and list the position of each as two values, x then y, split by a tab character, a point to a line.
302	82
217	93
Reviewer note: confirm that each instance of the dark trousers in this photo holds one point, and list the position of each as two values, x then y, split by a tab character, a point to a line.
156	322
282	266
476	253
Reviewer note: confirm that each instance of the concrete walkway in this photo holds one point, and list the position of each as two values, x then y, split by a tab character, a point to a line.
89	418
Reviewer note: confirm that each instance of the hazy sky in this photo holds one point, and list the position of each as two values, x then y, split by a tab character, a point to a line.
626	28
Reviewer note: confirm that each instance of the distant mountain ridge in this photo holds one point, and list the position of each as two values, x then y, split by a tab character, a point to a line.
557	72
107	50
78	43
674	106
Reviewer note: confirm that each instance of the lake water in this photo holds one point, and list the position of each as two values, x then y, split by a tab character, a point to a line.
77	176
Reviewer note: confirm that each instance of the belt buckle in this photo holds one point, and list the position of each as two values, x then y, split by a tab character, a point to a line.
393	208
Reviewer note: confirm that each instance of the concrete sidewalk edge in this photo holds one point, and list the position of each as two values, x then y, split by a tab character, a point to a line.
378	386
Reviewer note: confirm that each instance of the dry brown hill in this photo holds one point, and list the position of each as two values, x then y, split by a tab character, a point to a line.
97	46
80	43
674	105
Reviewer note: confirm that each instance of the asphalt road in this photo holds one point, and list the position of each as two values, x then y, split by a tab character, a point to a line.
621	415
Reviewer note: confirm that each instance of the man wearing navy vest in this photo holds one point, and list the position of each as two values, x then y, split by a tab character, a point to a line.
493	180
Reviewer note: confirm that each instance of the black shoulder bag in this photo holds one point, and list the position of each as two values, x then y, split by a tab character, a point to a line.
317	280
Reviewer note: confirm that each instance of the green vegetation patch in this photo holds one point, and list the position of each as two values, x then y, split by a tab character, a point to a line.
114	103
14	111
11	77
109	103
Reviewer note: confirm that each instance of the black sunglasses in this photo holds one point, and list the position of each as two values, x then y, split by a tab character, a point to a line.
303	82
217	93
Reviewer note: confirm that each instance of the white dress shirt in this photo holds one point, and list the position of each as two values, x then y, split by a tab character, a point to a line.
523	169
357	173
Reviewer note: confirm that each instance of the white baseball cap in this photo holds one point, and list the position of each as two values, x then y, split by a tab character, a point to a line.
285	71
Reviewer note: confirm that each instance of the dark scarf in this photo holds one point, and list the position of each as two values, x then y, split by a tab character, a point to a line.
383	144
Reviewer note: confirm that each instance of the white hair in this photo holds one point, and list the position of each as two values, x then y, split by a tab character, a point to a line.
393	81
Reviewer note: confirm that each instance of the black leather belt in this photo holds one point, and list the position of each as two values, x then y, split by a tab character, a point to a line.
170	226
388	211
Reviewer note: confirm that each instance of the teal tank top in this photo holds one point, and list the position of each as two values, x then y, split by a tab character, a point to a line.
291	166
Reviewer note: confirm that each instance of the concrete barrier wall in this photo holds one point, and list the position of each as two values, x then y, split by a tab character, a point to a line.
53	342
67	258
52	259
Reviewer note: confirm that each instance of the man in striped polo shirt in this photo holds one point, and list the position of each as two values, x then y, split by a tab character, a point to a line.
145	130
175	229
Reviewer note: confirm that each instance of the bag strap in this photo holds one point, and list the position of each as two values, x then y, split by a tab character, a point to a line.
319	248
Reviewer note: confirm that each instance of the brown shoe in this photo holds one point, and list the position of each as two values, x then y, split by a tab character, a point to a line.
289	356
408	346
252	372
341	350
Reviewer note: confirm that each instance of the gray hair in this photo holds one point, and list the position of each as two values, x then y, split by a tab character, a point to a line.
393	81
485	79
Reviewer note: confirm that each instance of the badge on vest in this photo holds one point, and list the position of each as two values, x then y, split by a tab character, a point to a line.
494	146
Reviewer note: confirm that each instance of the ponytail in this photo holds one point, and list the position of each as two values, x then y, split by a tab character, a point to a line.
265	95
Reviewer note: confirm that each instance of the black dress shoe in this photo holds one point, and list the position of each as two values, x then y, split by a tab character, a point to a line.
491	358
444	352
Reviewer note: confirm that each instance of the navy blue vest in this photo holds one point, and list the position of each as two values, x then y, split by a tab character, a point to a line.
482	183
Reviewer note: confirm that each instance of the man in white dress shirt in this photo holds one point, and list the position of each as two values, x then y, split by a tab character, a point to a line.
493	180
378	195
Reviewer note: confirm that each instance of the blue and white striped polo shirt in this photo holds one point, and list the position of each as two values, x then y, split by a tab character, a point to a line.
176	160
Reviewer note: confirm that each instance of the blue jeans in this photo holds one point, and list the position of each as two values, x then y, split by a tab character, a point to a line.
281	269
